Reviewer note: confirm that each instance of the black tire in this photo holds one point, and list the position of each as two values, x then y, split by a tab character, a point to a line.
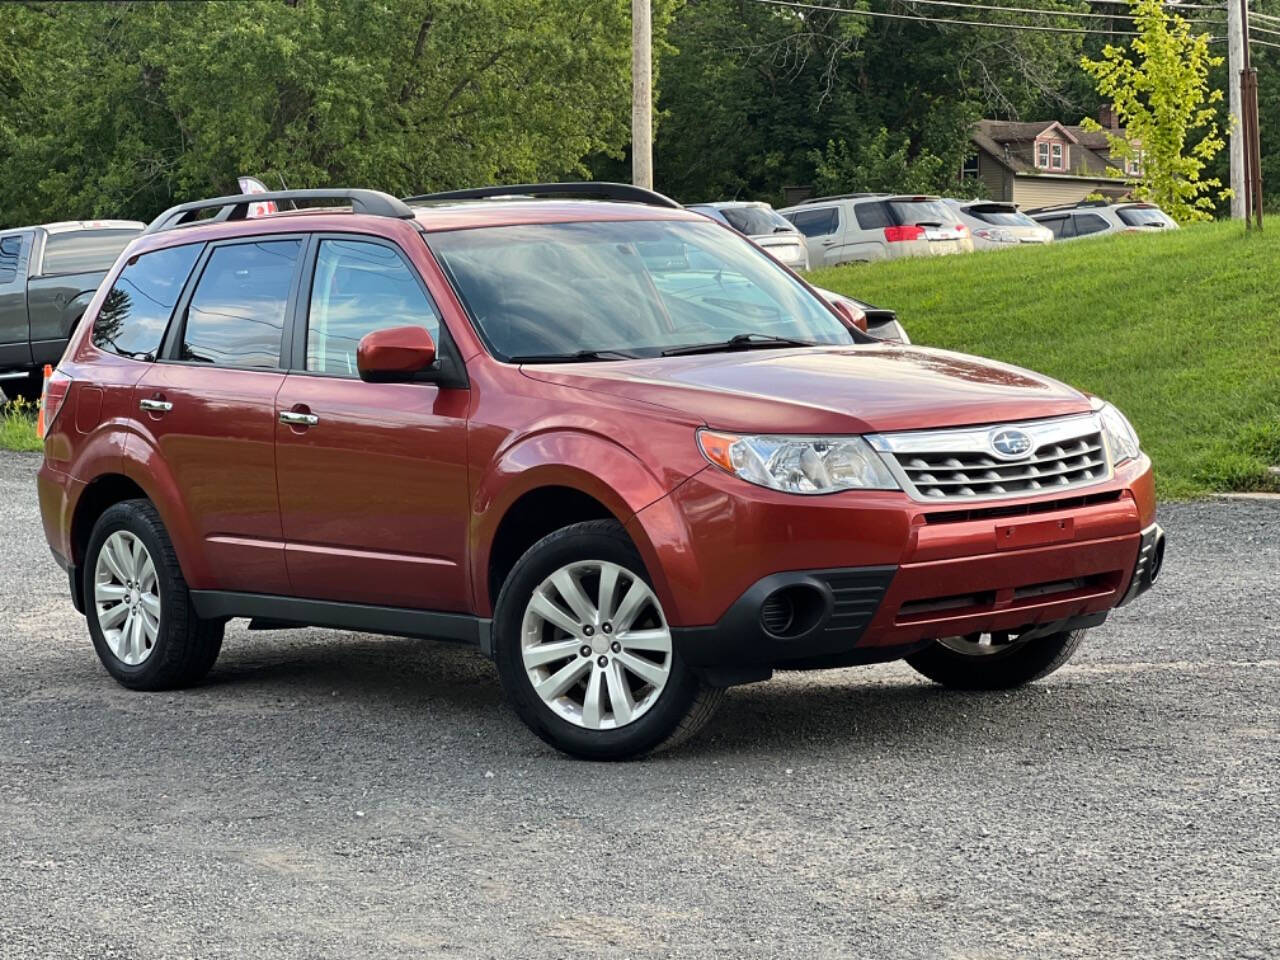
683	706
26	388
186	646
1021	664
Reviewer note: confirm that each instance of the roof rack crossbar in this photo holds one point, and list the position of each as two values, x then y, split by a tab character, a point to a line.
604	190
236	207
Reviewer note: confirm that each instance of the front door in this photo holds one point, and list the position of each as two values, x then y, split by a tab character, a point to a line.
209	407
372	476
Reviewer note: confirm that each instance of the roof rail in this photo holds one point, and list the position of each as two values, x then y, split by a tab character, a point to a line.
603	190
844	196
236	207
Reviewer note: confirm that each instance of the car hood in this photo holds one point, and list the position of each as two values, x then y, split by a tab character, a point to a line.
862	388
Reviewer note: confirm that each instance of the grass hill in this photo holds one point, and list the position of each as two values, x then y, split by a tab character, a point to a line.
1180	330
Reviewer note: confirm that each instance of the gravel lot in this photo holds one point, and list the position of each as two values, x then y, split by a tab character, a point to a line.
336	795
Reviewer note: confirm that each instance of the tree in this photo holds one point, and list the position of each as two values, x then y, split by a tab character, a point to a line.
120	109
1160	92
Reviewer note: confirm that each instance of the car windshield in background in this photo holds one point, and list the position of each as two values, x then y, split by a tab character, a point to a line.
625	289
1144	217
1000	216
919	212
756	221
83	251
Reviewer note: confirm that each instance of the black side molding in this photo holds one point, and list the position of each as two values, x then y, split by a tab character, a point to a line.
366	618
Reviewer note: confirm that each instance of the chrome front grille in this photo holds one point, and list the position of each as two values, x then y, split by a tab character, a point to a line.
965	465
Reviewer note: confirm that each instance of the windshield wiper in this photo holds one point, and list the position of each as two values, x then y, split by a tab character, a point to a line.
579	356
742	341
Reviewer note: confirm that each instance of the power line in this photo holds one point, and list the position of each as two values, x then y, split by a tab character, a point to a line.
1038	11
1256	29
794	4
1253	15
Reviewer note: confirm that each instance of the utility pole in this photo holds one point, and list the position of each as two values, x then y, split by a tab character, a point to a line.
1236	55
642	94
1253	153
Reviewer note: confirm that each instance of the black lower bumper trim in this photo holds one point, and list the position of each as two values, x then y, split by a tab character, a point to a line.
798	617
1150	562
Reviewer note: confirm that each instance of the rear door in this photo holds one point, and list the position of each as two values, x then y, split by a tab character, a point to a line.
372	476
1090	223
821	228
208	406
15	339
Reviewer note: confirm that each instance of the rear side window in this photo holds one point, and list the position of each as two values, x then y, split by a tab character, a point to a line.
817	223
1087	223
872	216
10	254
1060	226
137	308
236	314
83	251
360	287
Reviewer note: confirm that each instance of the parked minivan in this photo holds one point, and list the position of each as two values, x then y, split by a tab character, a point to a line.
608	443
861	227
765	227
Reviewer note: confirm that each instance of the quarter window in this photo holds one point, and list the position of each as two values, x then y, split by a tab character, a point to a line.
360	287
817	223
1087	223
136	310
10	254
872	216
236	315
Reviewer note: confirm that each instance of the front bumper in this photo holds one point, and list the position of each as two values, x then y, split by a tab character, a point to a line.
918	572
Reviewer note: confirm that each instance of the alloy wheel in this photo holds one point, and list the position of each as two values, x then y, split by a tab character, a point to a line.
596	645
126	596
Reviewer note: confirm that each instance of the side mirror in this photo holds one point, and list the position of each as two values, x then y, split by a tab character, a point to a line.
394	355
851	316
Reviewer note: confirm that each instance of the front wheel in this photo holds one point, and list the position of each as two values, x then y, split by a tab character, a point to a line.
585	653
995	661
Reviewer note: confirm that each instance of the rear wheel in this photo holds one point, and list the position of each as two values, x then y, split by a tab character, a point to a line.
995	661
140	615
585	653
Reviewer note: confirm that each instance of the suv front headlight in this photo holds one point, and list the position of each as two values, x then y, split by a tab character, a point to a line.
808	465
1122	439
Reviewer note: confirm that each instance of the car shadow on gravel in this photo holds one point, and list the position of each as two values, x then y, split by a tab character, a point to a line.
857	709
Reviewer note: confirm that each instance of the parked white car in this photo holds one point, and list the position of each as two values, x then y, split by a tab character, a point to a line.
1096	218
998	225
861	227
761	223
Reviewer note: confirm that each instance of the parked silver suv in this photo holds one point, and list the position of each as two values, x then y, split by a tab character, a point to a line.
763	225
861	227
998	225
1095	218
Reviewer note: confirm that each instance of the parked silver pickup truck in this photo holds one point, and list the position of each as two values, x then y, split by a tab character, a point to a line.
48	275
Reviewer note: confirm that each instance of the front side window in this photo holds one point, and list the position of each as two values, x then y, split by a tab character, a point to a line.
136	310
83	251
817	223
360	287
632	288
236	314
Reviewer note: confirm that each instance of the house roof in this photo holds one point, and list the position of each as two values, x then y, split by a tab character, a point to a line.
1012	144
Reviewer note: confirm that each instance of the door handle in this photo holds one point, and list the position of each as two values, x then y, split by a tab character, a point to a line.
155	406
829	243
295	419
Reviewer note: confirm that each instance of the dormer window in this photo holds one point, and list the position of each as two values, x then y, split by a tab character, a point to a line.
1051	155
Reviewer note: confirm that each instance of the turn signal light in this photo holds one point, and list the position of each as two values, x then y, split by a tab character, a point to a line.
56	385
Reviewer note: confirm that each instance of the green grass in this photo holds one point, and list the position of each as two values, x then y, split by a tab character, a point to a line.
18	427
1180	330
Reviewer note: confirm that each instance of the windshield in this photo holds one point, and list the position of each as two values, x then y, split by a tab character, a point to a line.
1144	216
756	221
1000	216
636	288
920	212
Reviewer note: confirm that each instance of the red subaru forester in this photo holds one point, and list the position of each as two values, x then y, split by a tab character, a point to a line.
610	443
